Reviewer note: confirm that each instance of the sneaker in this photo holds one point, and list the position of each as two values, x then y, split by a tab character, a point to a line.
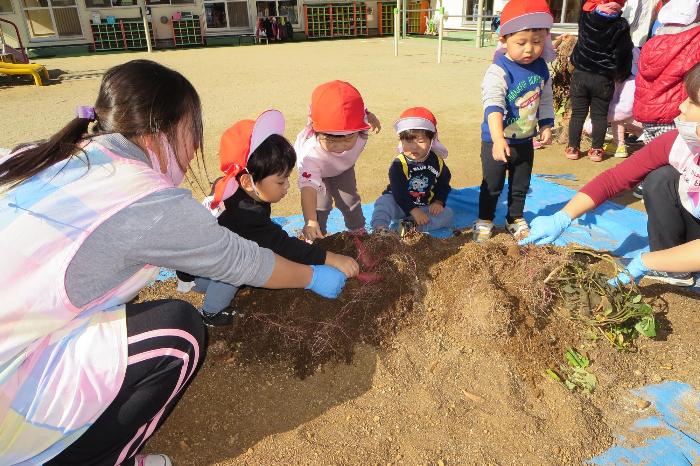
572	153
519	228
223	318
672	278
638	191
152	460
595	155
483	230
613	150
406	225
184	287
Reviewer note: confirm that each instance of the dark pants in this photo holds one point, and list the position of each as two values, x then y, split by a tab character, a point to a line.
589	91
341	189
669	224
166	344
519	170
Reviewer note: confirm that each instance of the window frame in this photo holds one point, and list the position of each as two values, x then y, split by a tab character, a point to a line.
227	28
12	9
277	9
50	8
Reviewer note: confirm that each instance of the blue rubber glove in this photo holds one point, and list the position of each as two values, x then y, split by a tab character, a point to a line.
545	230
636	269
326	281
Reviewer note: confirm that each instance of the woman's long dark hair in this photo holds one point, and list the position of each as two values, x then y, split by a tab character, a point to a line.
136	98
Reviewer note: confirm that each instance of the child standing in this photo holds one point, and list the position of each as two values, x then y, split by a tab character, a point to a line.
419	180
328	148
602	55
257	161
517	98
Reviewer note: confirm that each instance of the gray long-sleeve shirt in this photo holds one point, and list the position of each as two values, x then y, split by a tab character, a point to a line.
167	229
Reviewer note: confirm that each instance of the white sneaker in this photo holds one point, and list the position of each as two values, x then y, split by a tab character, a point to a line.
152	460
184	287
482	230
519	228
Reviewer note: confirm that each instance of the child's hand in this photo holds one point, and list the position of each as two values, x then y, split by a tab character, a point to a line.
345	264
373	121
501	150
546	135
436	208
420	217
312	230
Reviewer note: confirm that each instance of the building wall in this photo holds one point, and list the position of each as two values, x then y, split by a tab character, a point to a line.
162	30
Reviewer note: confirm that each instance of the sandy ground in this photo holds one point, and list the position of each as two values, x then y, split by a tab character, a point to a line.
240	82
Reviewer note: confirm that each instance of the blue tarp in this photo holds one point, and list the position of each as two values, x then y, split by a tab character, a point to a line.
671	434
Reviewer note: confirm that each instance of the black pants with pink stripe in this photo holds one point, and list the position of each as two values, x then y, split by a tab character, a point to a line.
166	345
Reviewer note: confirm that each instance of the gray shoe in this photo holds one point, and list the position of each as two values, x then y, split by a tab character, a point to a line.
672	278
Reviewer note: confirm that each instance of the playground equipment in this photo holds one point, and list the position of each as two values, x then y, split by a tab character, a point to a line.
18	54
17	62
36	71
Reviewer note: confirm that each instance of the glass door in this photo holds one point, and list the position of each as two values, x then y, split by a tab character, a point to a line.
52	18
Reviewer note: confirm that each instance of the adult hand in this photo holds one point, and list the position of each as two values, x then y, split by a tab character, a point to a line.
635	271
420	217
345	264
374	123
326	281
436	208
545	230
500	150
312	230
546	135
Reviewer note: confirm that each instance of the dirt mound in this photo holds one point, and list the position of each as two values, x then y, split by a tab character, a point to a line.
447	357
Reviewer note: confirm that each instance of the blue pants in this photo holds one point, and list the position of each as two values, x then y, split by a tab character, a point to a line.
218	294
387	210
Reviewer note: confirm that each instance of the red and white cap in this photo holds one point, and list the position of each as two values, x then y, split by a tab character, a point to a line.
337	108
237	143
420	118
519	15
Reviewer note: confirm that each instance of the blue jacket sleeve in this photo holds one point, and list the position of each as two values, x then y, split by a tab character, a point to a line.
399	187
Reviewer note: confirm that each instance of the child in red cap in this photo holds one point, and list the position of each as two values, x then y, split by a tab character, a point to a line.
517	98
601	57
256	160
419	180
328	148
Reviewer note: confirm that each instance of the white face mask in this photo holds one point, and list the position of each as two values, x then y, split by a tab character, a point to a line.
173	170
688	130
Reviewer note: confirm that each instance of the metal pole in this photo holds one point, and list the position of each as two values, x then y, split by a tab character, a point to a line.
440	29
149	46
563	12
404	19
479	24
396	27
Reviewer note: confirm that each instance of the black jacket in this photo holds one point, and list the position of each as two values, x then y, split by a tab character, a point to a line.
251	220
418	184
604	46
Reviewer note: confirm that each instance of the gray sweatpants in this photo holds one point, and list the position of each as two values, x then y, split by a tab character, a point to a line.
387	210
343	190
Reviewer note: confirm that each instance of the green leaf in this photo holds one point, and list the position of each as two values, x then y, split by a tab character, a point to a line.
646	326
552	375
576	359
637	299
568	289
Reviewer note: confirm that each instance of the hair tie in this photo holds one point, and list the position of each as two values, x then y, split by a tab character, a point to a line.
85	111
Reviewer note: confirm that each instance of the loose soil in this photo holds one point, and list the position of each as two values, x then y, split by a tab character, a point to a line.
440	361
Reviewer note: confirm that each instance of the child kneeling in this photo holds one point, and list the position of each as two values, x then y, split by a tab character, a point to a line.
257	161
419	180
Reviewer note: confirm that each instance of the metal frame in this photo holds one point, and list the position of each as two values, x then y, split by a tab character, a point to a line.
50	8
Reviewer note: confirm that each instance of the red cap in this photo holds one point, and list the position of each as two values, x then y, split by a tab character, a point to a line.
237	143
337	107
590	5
519	15
416	118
